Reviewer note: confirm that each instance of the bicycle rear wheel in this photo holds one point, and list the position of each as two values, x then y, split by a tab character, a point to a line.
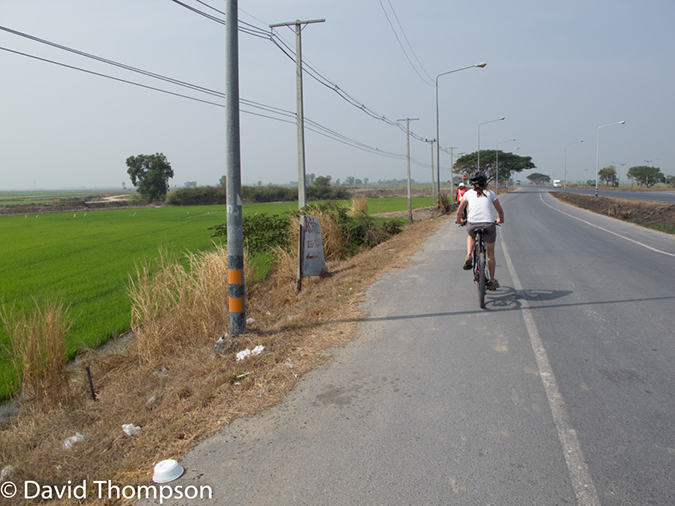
482	279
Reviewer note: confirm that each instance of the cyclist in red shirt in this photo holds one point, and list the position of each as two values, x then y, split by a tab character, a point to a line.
461	190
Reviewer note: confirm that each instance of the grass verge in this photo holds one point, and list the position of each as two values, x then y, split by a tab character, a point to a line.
179	394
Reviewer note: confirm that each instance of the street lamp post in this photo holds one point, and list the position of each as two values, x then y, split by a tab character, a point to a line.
497	162
565	178
438	138
597	154
481	124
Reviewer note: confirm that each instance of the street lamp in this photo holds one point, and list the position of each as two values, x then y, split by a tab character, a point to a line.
481	124
497	163
565	180
597	154
438	138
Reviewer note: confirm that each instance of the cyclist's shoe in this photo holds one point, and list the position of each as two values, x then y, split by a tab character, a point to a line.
468	263
493	284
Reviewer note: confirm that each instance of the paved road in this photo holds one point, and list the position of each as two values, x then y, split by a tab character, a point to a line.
656	196
559	392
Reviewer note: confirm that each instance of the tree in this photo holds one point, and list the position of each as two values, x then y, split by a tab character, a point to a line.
190	184
647	176
608	174
309	178
322	181
538	178
365	180
670	180
151	174
349	181
508	163
223	181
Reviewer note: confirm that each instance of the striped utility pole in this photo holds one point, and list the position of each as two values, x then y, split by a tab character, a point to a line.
235	233
300	107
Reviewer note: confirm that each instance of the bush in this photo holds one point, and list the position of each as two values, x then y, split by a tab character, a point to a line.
203	195
358	230
262	232
290	193
210	195
269	193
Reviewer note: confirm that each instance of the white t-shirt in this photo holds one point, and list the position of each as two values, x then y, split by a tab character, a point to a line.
479	209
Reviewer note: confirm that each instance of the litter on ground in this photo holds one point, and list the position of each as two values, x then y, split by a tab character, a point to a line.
68	443
247	353
130	429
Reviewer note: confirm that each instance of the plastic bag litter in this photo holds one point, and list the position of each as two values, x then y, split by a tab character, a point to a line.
6	471
250	320
162	373
243	354
130	429
247	353
68	443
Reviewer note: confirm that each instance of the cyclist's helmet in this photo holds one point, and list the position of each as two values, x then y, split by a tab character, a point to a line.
478	179
462	185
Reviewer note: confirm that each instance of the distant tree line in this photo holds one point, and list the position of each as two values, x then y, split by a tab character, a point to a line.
210	195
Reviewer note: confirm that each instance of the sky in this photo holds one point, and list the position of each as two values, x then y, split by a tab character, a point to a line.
557	71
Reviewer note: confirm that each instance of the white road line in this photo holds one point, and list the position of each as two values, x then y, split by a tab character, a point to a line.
608	231
579	473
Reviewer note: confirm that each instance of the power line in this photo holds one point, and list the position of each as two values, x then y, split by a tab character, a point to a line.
311	69
248	29
315	73
401	44
314	126
408	41
108	77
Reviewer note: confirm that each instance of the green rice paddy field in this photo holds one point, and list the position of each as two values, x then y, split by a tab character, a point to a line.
85	259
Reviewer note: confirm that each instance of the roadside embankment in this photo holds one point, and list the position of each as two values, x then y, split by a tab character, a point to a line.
654	215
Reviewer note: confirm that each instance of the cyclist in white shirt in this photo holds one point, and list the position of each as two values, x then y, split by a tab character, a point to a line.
479	202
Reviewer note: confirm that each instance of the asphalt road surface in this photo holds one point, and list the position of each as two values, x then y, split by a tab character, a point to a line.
559	392
667	197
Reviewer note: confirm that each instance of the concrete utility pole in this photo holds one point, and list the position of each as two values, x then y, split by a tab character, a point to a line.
407	123
235	234
452	179
433	184
300	110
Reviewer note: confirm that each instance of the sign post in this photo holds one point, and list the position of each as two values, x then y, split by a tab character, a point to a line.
311	259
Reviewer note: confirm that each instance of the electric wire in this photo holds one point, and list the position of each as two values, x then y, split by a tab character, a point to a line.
248	29
311	69
408	41
402	47
286	116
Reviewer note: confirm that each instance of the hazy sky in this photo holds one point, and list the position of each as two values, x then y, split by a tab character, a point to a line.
557	70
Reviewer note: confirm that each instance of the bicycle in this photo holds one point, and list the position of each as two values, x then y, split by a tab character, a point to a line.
480	266
480	272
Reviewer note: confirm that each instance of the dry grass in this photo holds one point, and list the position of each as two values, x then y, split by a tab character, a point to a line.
39	353
179	394
331	235
359	205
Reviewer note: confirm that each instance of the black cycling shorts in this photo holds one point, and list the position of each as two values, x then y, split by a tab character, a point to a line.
490	235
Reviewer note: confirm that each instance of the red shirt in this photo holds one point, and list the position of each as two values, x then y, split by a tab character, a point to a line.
460	193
